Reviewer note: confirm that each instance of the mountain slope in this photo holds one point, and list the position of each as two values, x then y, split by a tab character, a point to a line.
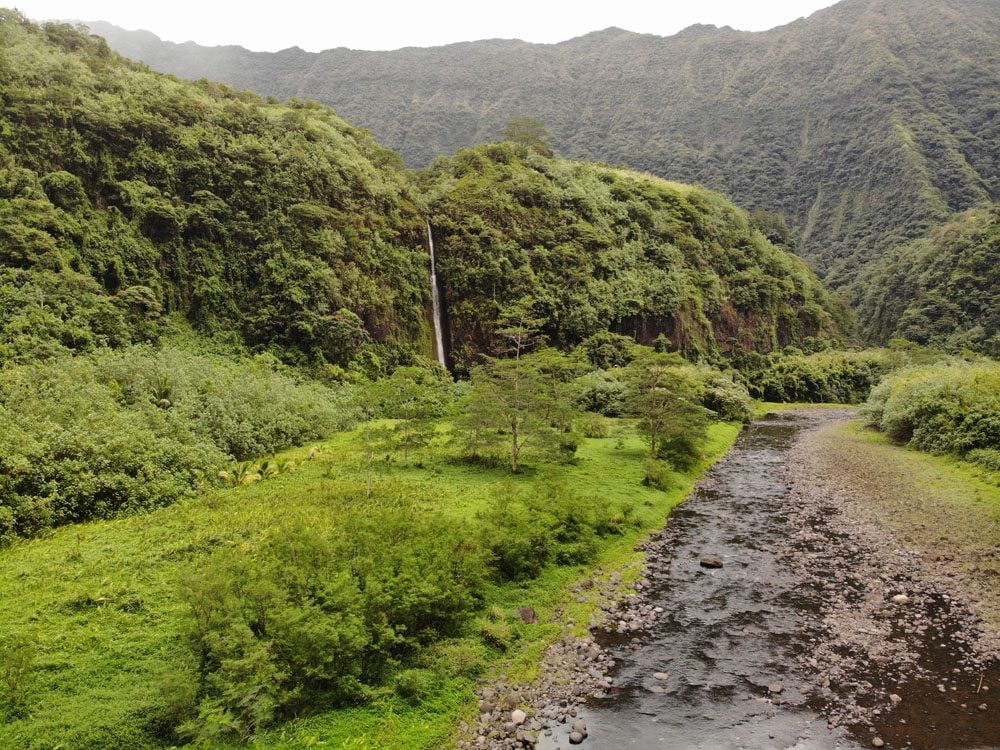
600	249
126	194
863	124
942	289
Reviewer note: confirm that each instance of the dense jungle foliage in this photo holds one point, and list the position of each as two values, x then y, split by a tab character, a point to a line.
193	279
864	124
129	198
169	250
118	432
600	248
942	290
366	570
127	195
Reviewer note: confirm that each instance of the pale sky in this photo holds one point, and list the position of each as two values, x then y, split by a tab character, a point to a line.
316	25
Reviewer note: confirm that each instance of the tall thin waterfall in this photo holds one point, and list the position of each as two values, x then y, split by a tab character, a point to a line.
436	302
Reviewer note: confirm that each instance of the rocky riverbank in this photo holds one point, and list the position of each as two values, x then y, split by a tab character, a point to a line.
900	636
886	640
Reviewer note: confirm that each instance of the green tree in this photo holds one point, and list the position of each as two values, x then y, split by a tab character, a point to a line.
518	395
666	398
529	132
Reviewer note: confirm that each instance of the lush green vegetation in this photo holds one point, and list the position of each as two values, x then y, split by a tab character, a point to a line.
202	620
864	124
126	195
192	279
951	407
600	248
131	200
118	432
942	290
841	377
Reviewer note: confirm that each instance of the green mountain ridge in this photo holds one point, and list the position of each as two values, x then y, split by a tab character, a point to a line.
129	196
864	124
126	195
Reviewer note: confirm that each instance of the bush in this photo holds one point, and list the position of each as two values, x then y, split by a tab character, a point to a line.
728	399
601	392
658	474
119	432
988	458
948	407
416	685
314	614
833	377
459	658
519	544
592	426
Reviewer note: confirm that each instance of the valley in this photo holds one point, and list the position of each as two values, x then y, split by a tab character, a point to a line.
664	425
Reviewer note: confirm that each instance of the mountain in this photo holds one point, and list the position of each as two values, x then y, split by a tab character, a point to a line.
131	200
862	125
598	249
942	289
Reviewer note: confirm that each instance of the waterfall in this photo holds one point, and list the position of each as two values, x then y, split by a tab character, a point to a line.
436	302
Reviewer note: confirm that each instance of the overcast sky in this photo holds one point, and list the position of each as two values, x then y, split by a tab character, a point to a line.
378	24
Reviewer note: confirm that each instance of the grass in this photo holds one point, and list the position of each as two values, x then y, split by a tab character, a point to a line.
950	480
102	599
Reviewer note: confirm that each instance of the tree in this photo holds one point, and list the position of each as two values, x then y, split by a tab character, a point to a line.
518	396
528	132
666	399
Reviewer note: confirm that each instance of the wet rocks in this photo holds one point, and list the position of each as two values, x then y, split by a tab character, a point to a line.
711	562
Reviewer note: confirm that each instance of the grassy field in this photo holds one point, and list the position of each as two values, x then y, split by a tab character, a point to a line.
102	600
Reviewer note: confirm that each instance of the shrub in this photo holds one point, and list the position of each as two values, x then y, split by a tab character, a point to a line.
459	658
949	407
658	474
416	685
119	432
988	458
601	392
728	399
835	377
592	426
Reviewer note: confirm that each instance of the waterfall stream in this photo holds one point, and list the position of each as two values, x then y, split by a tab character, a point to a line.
436	303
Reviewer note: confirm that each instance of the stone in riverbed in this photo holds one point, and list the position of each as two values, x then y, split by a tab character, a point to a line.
878	742
711	562
661	676
518	717
900	599
575	738
775	688
580	726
